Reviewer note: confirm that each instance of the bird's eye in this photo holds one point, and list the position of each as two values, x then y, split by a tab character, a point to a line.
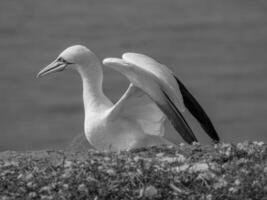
60	59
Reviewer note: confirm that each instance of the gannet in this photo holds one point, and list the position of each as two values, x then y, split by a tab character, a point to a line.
138	118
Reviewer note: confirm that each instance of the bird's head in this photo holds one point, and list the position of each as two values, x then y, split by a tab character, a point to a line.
73	57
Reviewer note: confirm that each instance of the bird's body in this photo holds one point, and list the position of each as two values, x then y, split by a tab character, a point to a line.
138	118
123	134
101	129
105	132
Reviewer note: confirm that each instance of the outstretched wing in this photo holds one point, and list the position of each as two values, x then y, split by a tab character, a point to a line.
136	105
158	83
182	94
161	72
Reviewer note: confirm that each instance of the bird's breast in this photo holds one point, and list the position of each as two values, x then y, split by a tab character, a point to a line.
118	134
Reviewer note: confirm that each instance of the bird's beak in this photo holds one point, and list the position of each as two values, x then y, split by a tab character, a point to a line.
55	66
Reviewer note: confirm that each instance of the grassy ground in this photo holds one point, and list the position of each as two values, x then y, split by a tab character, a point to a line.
217	47
221	171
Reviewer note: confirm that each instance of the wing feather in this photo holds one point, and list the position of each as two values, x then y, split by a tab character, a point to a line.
166	90
198	112
157	91
160	71
138	106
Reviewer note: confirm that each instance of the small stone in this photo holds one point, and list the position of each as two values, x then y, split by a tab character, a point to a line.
160	154
139	172
177	158
91	179
220	183
67	164
209	197
67	174
199	167
28	176
46	197
255	183
207	175
182	168
65	186
32	195
82	188
182	144
136	158
20	176
237	182
30	184
167	159
21	190
46	189
107	159
233	190
150	191
111	172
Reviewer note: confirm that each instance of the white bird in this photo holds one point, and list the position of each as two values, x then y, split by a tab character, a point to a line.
138	118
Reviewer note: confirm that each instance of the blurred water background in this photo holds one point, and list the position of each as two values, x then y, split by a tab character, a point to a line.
217	47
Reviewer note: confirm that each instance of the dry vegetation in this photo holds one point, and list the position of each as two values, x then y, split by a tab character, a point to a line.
221	171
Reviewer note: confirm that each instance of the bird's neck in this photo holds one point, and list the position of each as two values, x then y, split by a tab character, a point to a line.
94	99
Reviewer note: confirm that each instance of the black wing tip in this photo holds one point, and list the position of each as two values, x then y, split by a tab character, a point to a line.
180	125
216	140
212	132
190	140
198	112
216	137
193	142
